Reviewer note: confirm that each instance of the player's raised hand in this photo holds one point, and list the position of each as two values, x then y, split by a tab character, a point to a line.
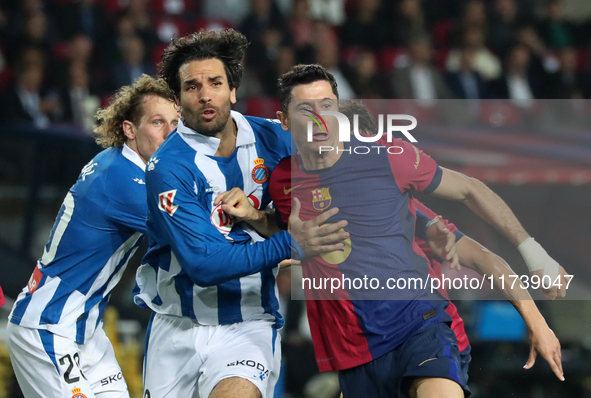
236	204
443	243
311	236
558	286
543	341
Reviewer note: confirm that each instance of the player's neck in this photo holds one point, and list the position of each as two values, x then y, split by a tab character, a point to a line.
227	139
317	161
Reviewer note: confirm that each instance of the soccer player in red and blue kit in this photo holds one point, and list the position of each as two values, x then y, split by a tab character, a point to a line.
475	256
2	301
384	347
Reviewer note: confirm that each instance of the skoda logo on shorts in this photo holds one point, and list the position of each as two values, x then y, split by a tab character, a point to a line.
262	371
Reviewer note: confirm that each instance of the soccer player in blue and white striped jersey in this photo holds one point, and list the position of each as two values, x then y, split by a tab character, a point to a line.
55	337
210	277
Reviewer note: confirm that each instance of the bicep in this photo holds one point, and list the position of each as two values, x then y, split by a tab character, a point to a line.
454	185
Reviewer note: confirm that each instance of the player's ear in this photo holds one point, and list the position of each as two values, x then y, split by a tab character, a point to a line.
233	95
283	119
128	130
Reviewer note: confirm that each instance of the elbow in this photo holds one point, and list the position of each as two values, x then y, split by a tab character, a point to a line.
199	274
473	189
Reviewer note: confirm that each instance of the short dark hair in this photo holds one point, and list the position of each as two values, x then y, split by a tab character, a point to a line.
227	45
302	74
367	124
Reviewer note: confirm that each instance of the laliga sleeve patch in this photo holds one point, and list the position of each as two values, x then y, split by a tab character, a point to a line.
166	202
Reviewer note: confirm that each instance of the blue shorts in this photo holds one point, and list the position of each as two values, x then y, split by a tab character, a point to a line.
432	352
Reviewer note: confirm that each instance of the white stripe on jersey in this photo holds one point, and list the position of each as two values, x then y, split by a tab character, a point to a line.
38	302
74	306
59	231
104	276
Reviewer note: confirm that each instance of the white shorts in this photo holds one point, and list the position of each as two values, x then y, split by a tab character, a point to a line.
185	359
50	366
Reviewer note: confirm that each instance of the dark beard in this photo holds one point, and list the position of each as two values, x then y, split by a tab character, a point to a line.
193	118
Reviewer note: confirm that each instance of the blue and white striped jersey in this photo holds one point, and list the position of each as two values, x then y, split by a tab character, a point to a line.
97	230
201	264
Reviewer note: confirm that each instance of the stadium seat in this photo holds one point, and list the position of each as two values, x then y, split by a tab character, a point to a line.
583	58
349	55
441	34
168	27
115	6
391	58
61	49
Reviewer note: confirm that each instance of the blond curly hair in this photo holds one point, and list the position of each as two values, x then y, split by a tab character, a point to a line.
126	104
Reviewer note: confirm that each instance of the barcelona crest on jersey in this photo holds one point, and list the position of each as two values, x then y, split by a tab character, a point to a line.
321	199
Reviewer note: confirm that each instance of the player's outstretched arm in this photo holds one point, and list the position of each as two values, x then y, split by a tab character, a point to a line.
542	340
491	208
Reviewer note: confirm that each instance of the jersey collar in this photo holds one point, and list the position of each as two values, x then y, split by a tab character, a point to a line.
209	145
133	157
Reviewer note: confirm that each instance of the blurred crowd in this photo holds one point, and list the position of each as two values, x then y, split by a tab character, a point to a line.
61	59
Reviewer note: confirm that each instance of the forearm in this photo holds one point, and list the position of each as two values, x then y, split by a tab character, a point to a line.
482	201
477	257
264	222
491	208
218	263
474	255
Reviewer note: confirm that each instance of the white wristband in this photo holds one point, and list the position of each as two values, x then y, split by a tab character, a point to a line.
536	258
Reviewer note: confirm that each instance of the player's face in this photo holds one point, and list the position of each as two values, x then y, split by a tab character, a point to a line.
160	118
206	96
308	100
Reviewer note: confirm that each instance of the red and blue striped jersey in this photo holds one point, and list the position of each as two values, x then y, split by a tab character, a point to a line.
373	193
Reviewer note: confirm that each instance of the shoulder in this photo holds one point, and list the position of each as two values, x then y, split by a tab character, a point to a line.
269	131
283	170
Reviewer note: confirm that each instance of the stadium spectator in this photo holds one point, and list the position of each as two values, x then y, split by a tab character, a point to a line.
420	79
327	55
282	63
517	83
302	29
79	100
467	83
484	61
554	29
364	27
133	65
83	16
267	31
503	26
366	81
34	34
25	101
474	15
410	22
568	81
